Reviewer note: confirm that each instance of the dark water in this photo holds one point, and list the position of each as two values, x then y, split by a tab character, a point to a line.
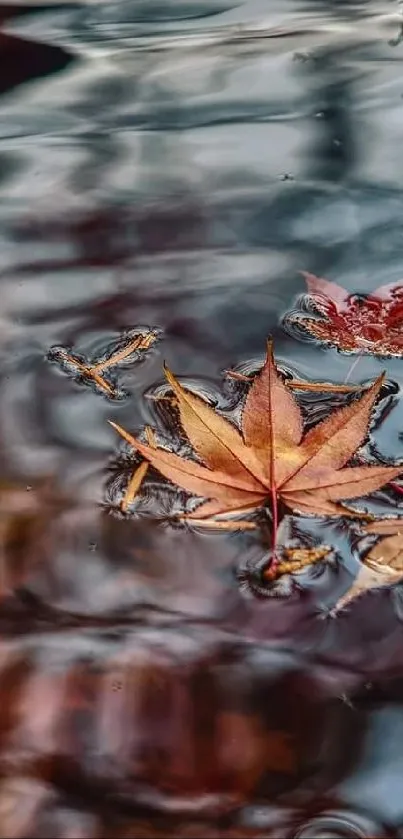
174	165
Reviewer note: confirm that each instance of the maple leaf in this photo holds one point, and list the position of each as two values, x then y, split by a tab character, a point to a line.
269	459
353	323
383	564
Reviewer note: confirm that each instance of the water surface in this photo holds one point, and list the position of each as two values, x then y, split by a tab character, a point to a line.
174	166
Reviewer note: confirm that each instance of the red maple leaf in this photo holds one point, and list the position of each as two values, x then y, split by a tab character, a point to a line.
351	322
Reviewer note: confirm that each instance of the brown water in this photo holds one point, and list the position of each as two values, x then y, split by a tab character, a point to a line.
173	166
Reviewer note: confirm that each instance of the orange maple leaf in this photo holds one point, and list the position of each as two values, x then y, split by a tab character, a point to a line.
269	458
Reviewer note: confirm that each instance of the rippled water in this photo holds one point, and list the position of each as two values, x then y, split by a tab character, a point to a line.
173	166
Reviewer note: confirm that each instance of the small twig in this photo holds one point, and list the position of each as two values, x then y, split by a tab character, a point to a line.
240	377
101	382
140	342
222	524
298	384
320	387
87	371
303	558
92	371
134	485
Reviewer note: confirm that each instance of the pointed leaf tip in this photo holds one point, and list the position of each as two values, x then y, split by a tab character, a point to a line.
171	379
113	424
317	285
271	418
125	434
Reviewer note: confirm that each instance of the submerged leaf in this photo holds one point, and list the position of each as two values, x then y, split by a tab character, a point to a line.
351	322
383	564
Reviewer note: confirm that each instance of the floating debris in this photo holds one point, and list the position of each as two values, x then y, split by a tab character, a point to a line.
125	350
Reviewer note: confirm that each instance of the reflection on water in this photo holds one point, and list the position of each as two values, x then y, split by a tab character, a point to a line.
172	166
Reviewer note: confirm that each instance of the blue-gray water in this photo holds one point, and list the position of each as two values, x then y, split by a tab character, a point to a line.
175	165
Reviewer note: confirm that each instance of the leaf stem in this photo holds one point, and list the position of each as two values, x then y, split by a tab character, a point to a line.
274	505
273	485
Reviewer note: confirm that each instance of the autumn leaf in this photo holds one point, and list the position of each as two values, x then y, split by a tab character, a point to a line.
355	323
383	564
269	459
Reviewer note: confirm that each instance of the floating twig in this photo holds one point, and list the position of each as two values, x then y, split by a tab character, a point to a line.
133	486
